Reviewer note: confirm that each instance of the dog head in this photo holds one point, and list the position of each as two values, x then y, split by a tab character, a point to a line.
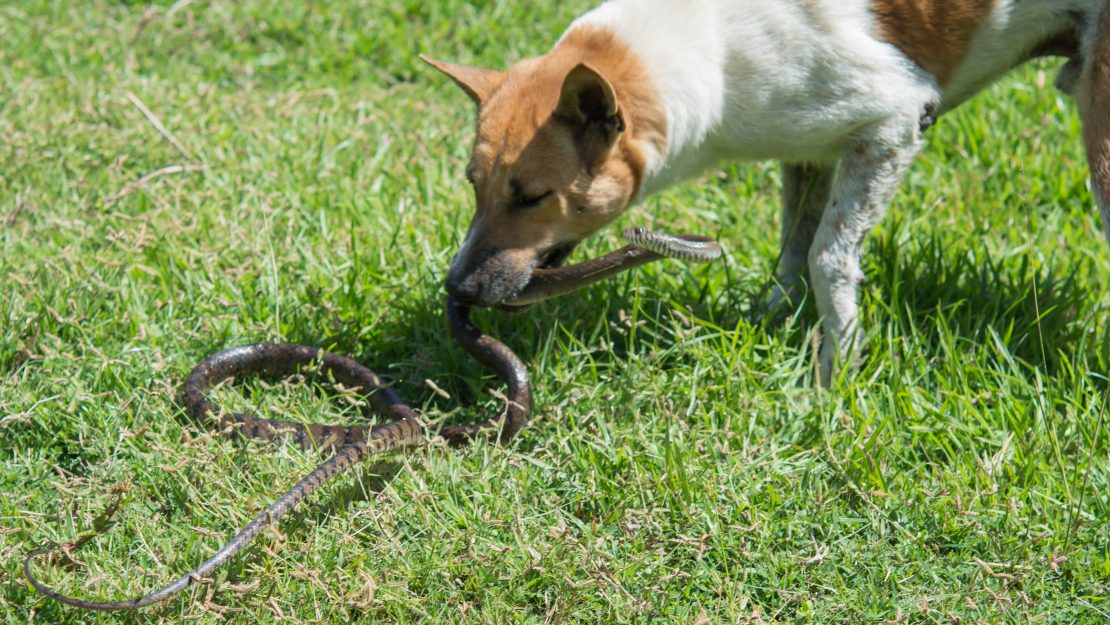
549	166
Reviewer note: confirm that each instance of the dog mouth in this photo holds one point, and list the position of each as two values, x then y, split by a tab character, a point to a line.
556	256
553	258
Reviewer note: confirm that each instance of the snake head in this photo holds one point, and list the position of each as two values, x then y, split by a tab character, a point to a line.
553	161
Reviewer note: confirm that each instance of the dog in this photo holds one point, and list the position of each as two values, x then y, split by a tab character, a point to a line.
639	94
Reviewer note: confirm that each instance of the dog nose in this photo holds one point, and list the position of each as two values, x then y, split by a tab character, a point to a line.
466	292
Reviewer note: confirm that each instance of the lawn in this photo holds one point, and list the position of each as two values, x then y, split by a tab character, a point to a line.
308	186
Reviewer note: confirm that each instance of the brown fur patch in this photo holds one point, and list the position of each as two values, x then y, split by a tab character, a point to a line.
935	34
1095	109
530	93
478	83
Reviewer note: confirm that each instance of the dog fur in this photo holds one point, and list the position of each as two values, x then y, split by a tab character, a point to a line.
639	94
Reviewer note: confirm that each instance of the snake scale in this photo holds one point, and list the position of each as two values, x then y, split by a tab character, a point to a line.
403	426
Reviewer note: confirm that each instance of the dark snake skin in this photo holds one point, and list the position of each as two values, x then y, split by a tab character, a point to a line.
354	443
647	246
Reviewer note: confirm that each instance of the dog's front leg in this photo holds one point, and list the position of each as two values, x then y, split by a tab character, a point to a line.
871	168
805	193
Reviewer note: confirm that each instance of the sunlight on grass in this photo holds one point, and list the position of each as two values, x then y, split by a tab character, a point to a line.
681	465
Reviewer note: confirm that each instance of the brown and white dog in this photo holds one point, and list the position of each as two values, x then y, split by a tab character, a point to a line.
638	94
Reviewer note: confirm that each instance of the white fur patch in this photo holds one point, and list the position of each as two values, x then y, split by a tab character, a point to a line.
760	79
1009	32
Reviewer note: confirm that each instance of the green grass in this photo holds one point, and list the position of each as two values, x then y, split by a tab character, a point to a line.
681	468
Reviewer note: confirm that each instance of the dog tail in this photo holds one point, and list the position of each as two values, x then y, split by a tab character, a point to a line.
1094	107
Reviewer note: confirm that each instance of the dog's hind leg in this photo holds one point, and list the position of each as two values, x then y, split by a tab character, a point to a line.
1094	108
805	192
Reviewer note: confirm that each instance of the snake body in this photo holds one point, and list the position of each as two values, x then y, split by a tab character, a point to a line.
688	247
644	247
403	426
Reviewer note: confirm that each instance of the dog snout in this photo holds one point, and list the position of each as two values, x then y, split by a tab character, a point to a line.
466	291
488	276
464	277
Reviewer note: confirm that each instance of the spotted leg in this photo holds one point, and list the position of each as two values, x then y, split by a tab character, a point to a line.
871	168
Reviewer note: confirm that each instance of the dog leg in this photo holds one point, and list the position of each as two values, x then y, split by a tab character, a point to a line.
870	170
805	192
1094	109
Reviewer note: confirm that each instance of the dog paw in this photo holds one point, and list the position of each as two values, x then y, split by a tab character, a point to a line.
831	360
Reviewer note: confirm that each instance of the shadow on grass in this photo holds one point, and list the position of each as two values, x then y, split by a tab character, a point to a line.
1039	311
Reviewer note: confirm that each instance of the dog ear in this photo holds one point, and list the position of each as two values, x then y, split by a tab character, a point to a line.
589	105
478	83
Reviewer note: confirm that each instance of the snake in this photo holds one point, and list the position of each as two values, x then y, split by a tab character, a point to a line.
402	426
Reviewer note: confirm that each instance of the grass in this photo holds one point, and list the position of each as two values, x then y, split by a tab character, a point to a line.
681	468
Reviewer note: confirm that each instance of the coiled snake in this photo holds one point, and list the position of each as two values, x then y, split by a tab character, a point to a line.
403	427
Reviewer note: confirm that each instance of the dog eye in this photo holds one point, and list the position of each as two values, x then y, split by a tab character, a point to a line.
521	203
